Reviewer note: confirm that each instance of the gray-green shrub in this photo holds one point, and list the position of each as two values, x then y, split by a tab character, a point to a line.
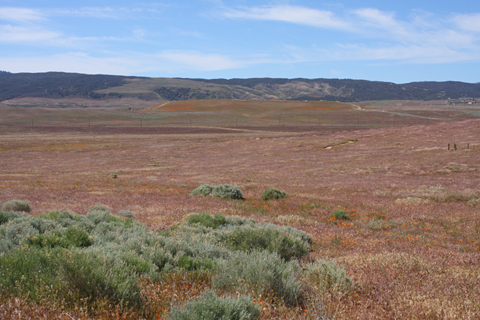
127	214
227	191
16	206
95	276
266	238
325	275
203	189
211	307
207	220
261	271
84	249
273	193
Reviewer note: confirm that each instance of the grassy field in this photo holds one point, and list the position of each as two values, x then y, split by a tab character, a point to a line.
316	115
409	238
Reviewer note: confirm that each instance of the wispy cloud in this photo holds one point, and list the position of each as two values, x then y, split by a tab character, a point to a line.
106	12
71	62
292	14
21	34
468	22
23	15
169	62
380	34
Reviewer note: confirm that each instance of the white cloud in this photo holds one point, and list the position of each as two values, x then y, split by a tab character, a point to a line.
293	14
468	22
106	12
126	64
20	14
381	35
70	62
416	54
16	34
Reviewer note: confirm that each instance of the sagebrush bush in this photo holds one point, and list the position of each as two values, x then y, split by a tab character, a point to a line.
266	238
203	189
340	215
16	206
326	275
227	191
261	271
97	255
273	193
28	270
207	220
6	216
126	214
210	306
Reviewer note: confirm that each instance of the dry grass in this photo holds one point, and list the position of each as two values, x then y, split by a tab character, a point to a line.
420	263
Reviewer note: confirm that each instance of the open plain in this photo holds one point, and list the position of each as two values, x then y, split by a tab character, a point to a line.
411	245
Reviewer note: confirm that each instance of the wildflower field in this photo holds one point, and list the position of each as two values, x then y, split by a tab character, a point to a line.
365	223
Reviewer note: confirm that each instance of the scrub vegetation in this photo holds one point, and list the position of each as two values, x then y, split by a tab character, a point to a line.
81	261
381	220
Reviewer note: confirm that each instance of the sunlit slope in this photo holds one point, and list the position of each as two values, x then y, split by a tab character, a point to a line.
251	107
254	112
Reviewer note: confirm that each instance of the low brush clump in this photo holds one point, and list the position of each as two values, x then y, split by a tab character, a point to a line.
273	193
340	215
16	206
325	275
203	189
210	306
89	258
225	191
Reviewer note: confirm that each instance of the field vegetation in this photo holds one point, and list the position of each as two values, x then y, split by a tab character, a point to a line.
379	222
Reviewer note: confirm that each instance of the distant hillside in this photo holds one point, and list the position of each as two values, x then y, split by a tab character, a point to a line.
58	85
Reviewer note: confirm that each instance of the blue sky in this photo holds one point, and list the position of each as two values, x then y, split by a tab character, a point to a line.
397	41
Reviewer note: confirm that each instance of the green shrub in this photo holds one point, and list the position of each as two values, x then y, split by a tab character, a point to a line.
16	206
100	213
48	240
325	275
189	263
95	277
78	237
207	220
266	238
6	216
203	189
261	271
340	215
182	186
126	214
52	215
211	307
27	270
72	237
227	191
273	193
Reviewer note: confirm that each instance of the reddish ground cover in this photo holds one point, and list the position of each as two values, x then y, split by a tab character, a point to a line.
412	243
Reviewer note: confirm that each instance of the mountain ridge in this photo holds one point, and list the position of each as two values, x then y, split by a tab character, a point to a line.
62	85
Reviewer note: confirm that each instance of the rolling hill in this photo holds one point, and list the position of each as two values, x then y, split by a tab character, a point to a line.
71	89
